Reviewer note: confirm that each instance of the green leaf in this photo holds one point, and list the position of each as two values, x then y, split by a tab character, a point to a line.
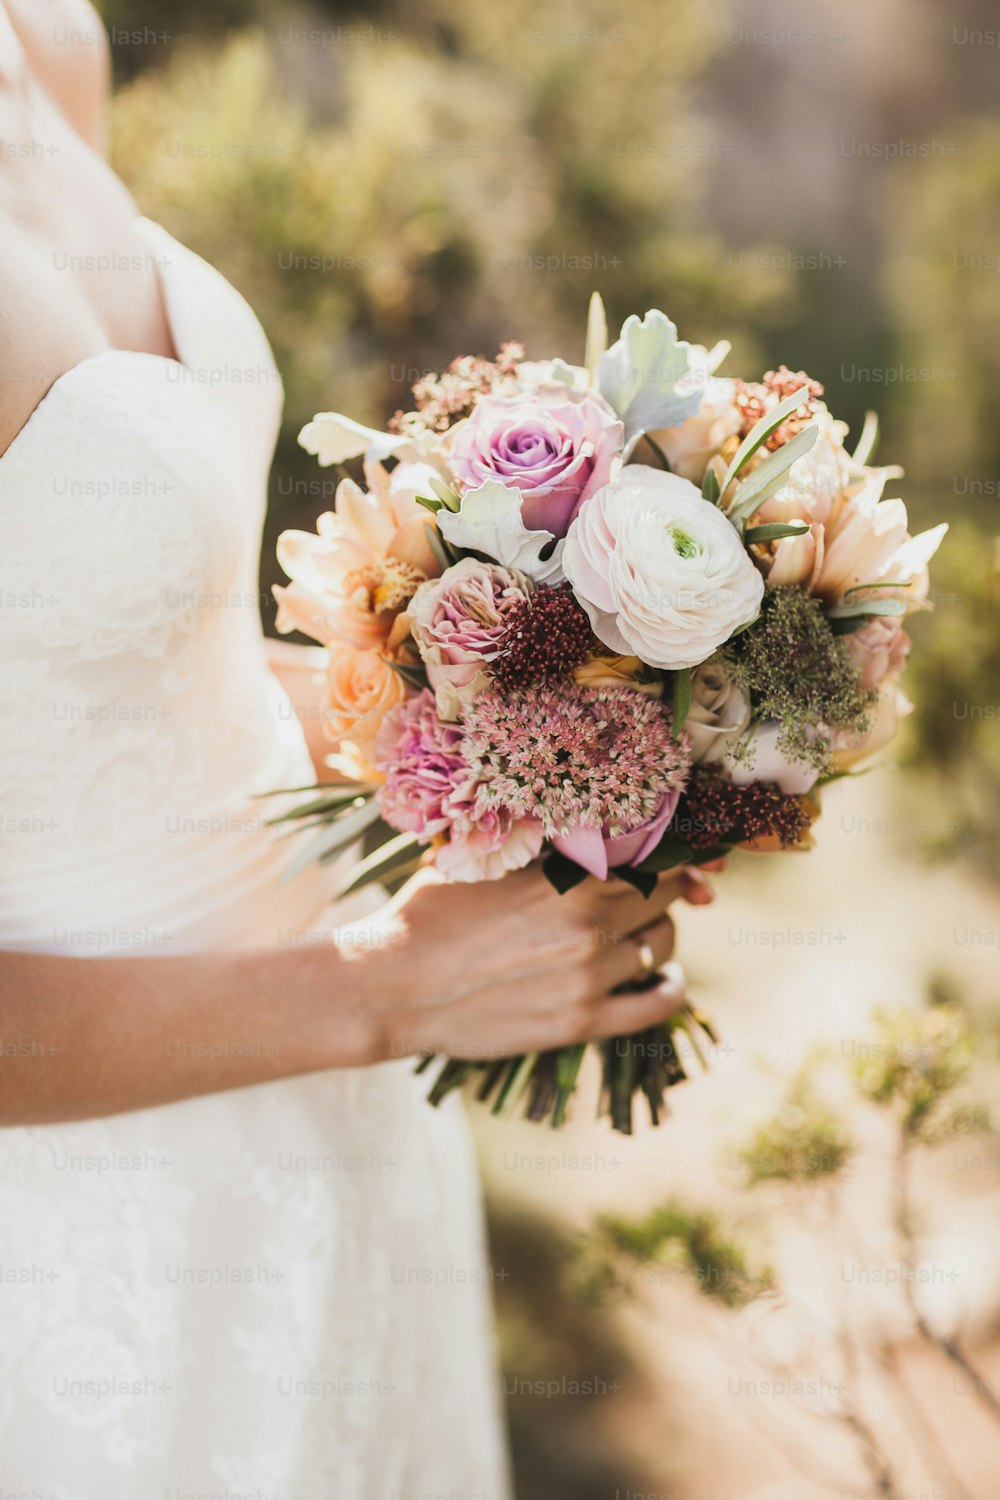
415	677
710	488
450	498
769	476
643	880
386	859
349	789
883	583
869	607
628	454
444	553
773	531
672	851
761	431
682	697
319	805
562	873
640	374
651	443
332	837
432	505
597	334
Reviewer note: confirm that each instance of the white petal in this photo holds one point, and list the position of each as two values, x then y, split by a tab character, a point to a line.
489	521
333	439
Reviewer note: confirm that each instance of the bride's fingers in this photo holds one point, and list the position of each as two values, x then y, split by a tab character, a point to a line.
633	957
621	1015
697	889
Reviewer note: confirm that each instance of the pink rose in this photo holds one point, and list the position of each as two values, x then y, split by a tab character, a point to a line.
892	706
598	851
556	445
457	621
878	649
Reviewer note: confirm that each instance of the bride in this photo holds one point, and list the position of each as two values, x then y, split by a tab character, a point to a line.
239	1253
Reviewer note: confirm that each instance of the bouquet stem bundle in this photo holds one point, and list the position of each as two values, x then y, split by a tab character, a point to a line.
542	1084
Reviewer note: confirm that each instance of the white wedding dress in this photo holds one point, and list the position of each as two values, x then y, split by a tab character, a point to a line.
279	1291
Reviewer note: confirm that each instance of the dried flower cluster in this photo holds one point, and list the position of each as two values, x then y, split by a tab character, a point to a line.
754	399
800	674
443	399
547	635
713	811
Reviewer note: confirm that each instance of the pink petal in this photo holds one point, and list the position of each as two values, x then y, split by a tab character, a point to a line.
586	847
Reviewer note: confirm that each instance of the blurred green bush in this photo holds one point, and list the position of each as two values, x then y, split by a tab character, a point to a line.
470	175
392	185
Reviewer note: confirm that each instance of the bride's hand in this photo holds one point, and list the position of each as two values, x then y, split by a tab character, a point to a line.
492	970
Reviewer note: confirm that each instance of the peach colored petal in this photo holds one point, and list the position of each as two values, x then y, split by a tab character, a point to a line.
361	689
362	515
399	633
356	623
893	705
318	563
298	610
794	560
860	546
410	544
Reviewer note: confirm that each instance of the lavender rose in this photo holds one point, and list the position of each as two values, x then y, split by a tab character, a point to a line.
457	621
556	445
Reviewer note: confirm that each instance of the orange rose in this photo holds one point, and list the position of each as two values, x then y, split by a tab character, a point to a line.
361	689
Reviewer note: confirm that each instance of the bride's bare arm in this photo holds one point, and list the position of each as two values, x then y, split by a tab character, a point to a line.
297	668
484	970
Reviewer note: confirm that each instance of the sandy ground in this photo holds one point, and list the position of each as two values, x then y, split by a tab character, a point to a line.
796	951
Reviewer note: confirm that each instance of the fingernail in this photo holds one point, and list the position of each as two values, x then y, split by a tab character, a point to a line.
700	892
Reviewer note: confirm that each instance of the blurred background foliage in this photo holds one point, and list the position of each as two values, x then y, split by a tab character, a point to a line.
393	184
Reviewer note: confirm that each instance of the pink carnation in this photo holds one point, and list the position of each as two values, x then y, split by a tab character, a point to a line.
555	445
430	789
426	777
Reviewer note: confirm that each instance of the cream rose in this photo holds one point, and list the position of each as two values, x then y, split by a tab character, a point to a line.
719	713
692	446
661	573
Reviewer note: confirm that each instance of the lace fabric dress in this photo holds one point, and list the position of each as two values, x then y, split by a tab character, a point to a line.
279	1291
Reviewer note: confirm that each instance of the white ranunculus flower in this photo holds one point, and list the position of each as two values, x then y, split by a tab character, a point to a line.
660	571
719	713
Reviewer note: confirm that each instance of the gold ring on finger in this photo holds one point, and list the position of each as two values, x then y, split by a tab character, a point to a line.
646	957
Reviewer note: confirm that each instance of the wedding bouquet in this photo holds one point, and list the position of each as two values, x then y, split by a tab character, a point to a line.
621	617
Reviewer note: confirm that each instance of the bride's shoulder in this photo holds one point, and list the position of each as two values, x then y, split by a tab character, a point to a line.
36	348
63	47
